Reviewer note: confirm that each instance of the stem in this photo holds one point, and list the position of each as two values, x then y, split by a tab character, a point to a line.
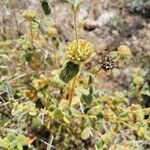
128	125
72	90
138	94
31	34
75	25
147	121
55	59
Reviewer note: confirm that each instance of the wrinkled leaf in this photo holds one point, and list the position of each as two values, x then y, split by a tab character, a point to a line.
70	71
36	122
90	79
46	7
28	57
19	146
58	114
86	133
66	120
11	137
22	139
5	142
87	98
55	42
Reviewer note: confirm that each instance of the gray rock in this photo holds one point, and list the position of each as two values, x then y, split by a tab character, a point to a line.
141	7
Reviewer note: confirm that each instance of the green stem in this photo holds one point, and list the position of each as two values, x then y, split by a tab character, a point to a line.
75	25
72	90
31	34
55	59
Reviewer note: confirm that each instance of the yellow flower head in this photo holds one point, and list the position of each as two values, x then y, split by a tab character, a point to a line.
138	80
80	53
51	31
137	72
29	14
124	51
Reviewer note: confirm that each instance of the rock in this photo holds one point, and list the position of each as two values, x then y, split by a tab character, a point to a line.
106	17
141	7
90	25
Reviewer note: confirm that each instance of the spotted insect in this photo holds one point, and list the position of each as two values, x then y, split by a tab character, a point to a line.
107	63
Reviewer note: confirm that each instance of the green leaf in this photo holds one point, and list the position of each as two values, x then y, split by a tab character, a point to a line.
87	98
28	57
90	79
5	142
86	133
19	146
66	120
99	144
55	41
69	71
91	90
114	54
5	56
146	89
36	122
115	72
46	7
11	137
22	139
58	114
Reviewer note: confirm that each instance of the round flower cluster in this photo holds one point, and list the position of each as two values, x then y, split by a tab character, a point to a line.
29	14
51	31
138	80
124	51
79	53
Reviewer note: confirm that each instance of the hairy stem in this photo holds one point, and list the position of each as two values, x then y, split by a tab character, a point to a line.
31	34
55	59
72	90
75	25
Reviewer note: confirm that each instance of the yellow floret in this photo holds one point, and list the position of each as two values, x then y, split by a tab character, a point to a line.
29	14
51	31
80	53
138	80
124	51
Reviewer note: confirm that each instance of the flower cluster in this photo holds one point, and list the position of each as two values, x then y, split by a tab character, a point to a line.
138	80
124	51
79	53
51	31
29	15
137	77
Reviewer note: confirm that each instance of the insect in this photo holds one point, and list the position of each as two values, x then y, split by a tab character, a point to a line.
107	63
